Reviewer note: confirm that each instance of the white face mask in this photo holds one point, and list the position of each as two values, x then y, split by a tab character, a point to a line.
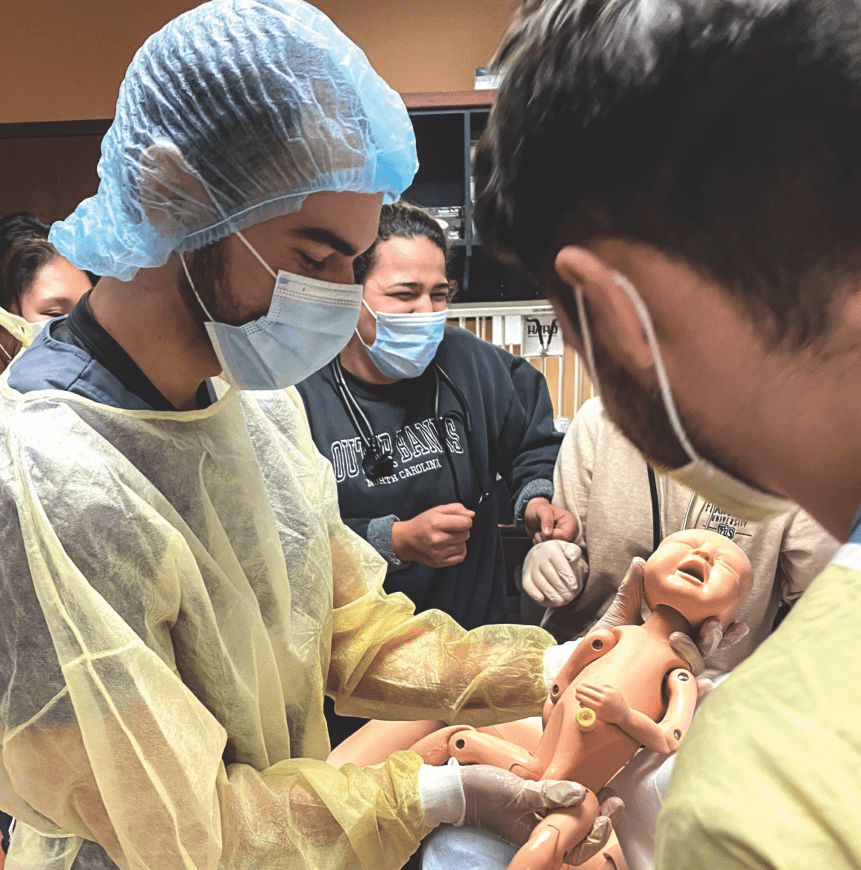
742	500
308	324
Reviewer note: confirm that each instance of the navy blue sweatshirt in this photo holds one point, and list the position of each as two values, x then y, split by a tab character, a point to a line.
512	433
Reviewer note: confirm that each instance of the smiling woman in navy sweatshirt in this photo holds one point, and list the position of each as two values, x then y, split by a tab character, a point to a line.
418	418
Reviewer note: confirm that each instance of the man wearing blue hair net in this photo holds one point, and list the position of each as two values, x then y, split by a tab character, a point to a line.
178	589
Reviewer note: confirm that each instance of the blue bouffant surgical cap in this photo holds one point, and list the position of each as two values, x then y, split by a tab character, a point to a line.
230	115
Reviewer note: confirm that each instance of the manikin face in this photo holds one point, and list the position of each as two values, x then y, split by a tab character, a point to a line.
700	574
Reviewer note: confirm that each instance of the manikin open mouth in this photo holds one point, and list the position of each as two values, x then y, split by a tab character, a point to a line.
694	569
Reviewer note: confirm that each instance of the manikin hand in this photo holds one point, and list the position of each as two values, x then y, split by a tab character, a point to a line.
509	807
545	521
710	640
606	701
436	537
626	609
548	576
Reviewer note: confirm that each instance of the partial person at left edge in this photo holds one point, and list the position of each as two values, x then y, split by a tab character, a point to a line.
37	283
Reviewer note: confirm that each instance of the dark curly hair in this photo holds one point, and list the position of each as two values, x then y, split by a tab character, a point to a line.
401	220
726	134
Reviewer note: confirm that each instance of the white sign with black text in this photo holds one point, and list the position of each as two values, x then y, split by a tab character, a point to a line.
541	335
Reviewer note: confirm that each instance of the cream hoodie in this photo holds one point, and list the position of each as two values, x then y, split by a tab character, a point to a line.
601	477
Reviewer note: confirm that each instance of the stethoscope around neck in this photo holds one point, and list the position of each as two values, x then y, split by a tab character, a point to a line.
657	530
377	462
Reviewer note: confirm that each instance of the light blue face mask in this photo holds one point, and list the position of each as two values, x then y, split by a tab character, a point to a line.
729	493
308	324
406	343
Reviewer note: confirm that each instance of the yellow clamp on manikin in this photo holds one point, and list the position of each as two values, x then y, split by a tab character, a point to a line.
586	719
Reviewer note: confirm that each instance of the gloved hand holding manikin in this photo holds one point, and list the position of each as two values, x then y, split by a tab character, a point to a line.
621	688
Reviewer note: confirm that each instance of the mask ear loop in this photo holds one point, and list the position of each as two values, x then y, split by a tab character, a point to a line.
193	288
260	259
663	381
587	339
5	353
356	330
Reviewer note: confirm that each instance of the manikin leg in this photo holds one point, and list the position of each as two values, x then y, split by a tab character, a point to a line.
555	836
469	746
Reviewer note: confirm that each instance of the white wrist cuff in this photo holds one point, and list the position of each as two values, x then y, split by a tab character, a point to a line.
441	794
555	657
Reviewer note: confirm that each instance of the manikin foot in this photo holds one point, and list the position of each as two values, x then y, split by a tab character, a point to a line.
555	836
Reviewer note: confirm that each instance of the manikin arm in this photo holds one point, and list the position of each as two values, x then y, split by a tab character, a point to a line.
593	646
662	737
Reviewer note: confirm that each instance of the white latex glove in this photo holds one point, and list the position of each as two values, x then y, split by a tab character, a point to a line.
509	807
548	575
626	609
711	639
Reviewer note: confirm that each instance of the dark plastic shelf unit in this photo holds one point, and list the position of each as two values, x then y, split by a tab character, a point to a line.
447	127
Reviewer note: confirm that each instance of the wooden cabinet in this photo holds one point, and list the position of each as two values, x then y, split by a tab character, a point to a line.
49	167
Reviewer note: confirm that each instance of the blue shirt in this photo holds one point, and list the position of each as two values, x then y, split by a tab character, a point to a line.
855	531
76	354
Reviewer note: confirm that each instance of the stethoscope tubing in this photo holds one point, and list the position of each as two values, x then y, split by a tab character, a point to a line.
355	412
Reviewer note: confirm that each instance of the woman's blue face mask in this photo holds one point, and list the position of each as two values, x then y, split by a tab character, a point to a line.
406	343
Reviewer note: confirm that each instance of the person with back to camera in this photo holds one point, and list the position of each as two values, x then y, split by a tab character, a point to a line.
623	508
178	589
682	179
36	282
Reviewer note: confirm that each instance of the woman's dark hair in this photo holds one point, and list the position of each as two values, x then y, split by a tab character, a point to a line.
401	220
24	249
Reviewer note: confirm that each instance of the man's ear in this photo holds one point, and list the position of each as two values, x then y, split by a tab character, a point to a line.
171	194
612	316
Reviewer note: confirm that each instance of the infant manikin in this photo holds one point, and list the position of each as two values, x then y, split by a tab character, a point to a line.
620	689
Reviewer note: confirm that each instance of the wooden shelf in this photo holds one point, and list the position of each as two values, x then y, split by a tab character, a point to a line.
99	126
449	99
53	129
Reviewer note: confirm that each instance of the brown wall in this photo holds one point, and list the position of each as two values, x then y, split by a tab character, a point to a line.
424	45
65	60
47	176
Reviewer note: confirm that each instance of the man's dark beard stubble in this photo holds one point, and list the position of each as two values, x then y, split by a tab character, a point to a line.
209	270
638	410
635	407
